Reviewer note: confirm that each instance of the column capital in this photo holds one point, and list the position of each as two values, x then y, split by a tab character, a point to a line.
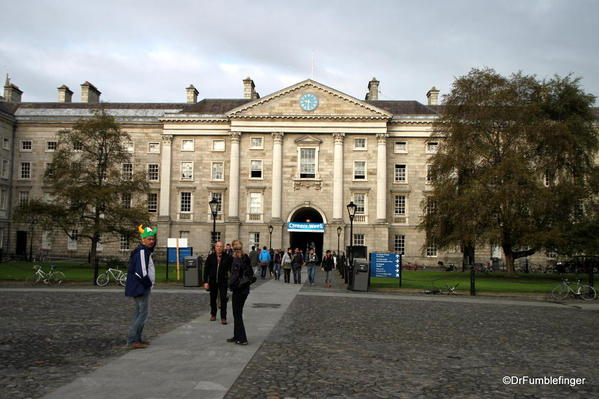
338	137
381	138
167	138
278	137
235	137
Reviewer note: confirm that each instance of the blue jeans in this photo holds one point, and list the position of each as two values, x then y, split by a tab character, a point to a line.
327	278
140	316
311	273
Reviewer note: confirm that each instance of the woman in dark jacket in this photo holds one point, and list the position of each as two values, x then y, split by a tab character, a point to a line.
327	266
240	270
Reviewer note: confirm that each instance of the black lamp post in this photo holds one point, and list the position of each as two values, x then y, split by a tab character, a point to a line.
338	235
270	229
214	210
351	210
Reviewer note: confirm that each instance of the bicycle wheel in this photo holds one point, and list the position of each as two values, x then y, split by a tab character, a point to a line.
35	279
102	279
122	279
560	292
56	278
587	293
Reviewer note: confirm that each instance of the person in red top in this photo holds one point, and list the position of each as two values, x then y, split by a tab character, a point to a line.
217	270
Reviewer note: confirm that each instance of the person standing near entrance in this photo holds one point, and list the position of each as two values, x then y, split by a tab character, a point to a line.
287	261
264	259
276	261
141	276
296	265
312	263
327	265
239	283
216	277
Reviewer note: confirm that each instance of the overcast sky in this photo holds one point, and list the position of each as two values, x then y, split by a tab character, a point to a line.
150	51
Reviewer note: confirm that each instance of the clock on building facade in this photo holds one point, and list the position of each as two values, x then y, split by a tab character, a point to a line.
308	102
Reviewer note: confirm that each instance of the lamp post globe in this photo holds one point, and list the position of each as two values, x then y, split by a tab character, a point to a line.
351	210
270	229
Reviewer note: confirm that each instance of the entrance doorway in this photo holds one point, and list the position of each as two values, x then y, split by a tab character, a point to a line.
305	241
21	248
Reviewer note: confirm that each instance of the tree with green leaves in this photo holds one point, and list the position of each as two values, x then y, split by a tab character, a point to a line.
516	167
93	186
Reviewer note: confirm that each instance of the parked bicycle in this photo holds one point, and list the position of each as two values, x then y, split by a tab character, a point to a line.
564	289
52	276
115	274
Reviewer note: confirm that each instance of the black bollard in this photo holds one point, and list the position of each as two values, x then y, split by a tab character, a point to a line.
472	281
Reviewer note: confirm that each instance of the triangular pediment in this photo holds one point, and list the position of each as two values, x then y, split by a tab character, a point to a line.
330	104
308	140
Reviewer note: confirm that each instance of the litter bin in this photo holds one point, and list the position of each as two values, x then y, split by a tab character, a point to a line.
360	275
193	271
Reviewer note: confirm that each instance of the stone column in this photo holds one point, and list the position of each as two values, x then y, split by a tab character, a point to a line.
338	178
277	175
381	178
234	178
165	176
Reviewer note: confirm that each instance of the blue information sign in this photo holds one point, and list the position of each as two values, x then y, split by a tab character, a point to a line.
384	265
305	227
183	252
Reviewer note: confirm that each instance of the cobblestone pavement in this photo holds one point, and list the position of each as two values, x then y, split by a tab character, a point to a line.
347	347
48	338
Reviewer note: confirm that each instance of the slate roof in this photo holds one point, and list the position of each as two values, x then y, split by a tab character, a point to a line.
56	105
214	106
403	107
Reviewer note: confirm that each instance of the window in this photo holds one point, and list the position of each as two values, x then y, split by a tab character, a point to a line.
254	240
1	238
127	171
400	173
100	244
432	147
429	174
255	204
400	147
77	146
46	240
126	200
399	244
6	143
256	143
359	200
431	248
5	166
72	240
219	198
186	170
51	146
187	145
25	170
431	205
218	171
360	170
49	170
152	202
400	205
217	236
218	145
129	147
23	197
124	242
3	199
359	239
26	145
360	144
153	172
307	163
185	205
184	234
154	148
256	169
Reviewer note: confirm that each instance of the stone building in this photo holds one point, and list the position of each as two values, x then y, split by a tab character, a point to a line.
298	155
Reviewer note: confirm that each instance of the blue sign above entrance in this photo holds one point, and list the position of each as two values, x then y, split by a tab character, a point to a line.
384	265
305	227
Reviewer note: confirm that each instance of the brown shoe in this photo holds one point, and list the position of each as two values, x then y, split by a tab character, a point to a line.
145	342
212	318
223	321
137	345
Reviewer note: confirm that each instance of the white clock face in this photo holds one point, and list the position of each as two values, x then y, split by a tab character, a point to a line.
308	102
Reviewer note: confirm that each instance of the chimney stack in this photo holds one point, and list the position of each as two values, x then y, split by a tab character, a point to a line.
433	96
373	90
249	89
12	93
65	95
89	93
192	95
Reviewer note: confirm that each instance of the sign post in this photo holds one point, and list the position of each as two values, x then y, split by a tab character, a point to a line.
177	243
386	265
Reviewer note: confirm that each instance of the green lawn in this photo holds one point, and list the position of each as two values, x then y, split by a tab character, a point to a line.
20	271
497	282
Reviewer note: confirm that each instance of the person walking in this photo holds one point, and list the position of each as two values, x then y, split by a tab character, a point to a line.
216	277
264	259
254	257
287	261
296	265
141	276
312	263
276	261
328	263
242	275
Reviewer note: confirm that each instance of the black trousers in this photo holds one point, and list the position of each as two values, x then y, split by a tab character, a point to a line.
238	328
218	290
287	275
263	266
297	275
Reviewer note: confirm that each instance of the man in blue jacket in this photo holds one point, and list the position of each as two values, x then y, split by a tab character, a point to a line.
141	276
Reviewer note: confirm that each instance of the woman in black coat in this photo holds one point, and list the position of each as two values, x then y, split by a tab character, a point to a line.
242	275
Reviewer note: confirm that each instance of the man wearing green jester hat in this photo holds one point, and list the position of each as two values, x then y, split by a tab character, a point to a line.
141	276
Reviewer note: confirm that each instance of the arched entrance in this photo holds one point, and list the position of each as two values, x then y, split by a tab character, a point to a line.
305	240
